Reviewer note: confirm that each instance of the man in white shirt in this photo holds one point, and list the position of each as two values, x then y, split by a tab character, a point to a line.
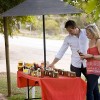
78	41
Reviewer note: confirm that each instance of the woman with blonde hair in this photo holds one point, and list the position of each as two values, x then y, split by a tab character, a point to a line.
93	62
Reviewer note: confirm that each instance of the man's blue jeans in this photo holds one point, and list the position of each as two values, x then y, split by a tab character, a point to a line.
92	87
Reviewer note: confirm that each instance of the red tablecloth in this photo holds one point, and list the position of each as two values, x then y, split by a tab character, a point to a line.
63	88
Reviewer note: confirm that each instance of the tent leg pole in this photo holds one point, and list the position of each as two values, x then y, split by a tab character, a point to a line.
44	42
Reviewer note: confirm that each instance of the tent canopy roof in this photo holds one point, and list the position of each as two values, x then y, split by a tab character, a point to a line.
41	7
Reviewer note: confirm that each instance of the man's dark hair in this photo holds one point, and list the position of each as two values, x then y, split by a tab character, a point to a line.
71	24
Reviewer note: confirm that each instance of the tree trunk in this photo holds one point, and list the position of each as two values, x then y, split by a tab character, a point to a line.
7	55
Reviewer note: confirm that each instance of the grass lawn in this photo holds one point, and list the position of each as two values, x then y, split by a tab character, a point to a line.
17	93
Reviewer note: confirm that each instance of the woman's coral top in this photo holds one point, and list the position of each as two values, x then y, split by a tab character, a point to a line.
93	66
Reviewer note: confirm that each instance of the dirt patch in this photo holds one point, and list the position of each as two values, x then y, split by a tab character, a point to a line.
4	74
2	97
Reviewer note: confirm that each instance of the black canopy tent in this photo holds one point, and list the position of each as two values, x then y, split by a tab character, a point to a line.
38	7
41	7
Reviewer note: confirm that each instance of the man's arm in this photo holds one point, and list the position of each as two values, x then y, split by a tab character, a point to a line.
54	62
61	52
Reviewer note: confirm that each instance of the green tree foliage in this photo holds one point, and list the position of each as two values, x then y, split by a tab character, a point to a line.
13	21
52	27
91	8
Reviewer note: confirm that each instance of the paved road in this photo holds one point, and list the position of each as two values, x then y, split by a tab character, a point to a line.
51	45
31	50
